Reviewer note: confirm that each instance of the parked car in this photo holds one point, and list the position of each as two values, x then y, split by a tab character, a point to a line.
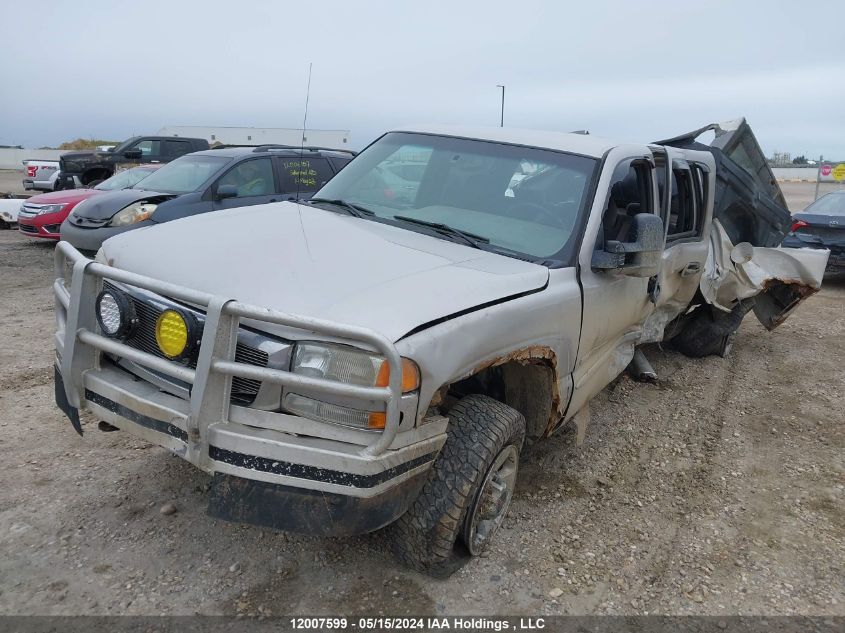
86	169
9	209
213	180
822	225
40	175
366	359
41	216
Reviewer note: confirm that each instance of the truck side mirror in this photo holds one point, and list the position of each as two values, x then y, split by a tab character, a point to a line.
227	191
639	257
133	154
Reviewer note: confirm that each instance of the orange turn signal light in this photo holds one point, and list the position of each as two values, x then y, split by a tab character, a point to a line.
410	375
377	420
410	382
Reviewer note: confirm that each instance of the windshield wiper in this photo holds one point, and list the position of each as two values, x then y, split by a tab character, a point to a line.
469	238
352	209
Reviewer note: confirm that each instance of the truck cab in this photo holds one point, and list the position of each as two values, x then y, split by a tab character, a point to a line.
379	355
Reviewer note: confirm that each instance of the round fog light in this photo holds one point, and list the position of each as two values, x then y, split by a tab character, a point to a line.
115	314
175	333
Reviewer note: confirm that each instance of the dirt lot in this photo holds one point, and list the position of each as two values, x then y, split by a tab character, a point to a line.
719	490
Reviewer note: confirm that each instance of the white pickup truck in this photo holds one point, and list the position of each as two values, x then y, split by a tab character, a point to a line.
40	175
370	358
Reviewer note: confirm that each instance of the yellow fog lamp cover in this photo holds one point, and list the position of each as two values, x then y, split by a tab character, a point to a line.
174	333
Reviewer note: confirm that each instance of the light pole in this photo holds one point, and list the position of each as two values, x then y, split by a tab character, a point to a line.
502	121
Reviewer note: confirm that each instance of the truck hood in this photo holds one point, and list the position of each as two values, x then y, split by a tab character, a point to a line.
104	205
304	260
83	157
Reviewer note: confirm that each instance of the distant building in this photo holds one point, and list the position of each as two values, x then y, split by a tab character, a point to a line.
216	135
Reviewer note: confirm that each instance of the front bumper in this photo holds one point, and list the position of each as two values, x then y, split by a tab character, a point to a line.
44	229
261	460
90	240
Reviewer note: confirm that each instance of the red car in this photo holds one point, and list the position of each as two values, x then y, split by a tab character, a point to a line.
42	215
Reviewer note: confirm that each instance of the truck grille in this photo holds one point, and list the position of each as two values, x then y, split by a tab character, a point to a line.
144	339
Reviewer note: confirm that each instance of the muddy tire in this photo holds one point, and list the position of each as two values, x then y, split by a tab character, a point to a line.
468	490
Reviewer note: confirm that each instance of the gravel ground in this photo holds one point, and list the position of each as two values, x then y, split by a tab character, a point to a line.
718	490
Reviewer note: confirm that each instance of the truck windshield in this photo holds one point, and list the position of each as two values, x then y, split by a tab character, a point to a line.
183	175
521	199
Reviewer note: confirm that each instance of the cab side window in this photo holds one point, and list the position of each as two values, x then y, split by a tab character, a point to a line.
177	148
148	148
251	178
630	194
687	203
683	211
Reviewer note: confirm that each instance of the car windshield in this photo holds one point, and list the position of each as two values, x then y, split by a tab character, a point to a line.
831	204
125	179
184	174
521	199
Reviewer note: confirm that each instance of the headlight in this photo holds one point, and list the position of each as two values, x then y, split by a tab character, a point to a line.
176	333
135	212
51	208
349	365
115	314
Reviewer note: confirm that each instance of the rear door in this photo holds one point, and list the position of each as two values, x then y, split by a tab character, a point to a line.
254	181
686	213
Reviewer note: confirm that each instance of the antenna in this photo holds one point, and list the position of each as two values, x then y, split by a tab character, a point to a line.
304	125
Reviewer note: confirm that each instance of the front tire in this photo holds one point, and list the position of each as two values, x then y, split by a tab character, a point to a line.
468	491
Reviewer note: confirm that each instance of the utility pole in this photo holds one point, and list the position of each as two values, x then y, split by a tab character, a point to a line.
818	177
502	120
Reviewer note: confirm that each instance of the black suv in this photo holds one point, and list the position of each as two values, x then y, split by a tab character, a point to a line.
210	180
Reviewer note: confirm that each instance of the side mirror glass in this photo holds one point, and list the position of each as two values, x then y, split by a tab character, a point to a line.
227	191
133	154
638	257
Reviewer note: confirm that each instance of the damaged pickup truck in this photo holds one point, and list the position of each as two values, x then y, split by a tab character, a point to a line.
378	357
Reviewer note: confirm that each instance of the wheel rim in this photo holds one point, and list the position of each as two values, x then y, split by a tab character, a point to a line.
492	501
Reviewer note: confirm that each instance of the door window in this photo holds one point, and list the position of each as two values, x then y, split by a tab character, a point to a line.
630	193
177	148
683	211
148	147
303	173
251	178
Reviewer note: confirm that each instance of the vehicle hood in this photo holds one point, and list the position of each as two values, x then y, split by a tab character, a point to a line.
69	196
84	156
304	260
106	204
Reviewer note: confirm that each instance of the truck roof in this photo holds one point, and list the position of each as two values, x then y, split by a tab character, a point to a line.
584	144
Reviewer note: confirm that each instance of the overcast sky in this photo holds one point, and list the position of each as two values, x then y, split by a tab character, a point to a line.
636	71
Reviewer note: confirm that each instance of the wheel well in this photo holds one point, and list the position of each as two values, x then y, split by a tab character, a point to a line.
528	385
95	174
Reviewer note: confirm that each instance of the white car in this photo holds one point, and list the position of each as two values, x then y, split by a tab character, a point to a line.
9	208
